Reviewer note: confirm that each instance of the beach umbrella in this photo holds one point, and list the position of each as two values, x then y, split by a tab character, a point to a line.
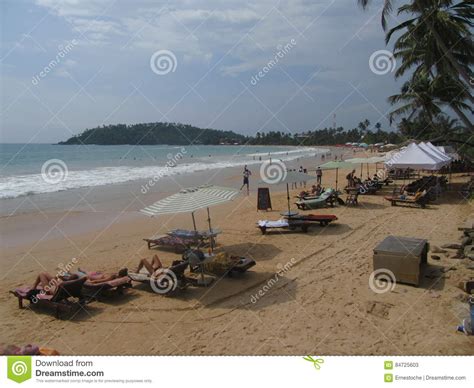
285	177
336	165
191	199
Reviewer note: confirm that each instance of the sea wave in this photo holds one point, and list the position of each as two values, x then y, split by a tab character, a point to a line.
31	184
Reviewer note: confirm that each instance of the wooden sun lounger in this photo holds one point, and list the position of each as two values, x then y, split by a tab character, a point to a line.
304	222
421	201
178	267
108	288
165	241
230	266
59	301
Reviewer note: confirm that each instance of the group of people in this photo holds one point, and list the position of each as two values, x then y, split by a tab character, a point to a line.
247	173
47	283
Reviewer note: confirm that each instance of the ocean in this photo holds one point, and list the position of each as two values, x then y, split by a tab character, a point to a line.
34	169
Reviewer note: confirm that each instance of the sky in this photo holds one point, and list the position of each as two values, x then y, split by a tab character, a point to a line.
232	65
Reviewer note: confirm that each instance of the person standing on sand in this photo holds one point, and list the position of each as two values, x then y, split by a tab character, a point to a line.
319	175
350	179
246	175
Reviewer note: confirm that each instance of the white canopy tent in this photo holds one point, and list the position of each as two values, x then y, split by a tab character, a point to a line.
435	151
416	158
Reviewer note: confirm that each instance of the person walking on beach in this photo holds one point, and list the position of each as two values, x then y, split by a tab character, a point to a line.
319	175
301	169
350	178
246	175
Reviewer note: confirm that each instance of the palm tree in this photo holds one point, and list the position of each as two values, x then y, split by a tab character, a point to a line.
417	47
447	23
387	8
416	97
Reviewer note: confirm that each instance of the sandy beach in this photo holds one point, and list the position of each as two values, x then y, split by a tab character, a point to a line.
320	304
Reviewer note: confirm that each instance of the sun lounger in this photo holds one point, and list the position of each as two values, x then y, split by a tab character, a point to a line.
199	237
59	301
303	222
322	219
224	264
328	197
417	200
177	268
108	288
181	239
176	243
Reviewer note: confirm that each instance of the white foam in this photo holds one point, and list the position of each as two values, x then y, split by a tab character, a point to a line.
22	185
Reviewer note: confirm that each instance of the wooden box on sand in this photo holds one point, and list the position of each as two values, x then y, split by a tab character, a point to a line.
404	256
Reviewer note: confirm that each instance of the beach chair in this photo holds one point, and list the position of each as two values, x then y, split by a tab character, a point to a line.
106	289
177	244
294	223
352	196
419	199
60	301
228	265
199	237
328	197
173	281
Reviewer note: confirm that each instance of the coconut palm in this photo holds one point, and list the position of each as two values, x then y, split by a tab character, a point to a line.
416	97
447	23
387	8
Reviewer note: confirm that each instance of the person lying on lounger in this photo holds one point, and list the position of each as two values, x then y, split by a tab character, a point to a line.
99	277
49	283
152	267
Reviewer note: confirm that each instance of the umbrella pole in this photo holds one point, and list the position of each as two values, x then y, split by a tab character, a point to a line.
361	173
337	171
194	221
288	198
210	229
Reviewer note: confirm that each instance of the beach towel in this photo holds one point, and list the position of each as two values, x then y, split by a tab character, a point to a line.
282	223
